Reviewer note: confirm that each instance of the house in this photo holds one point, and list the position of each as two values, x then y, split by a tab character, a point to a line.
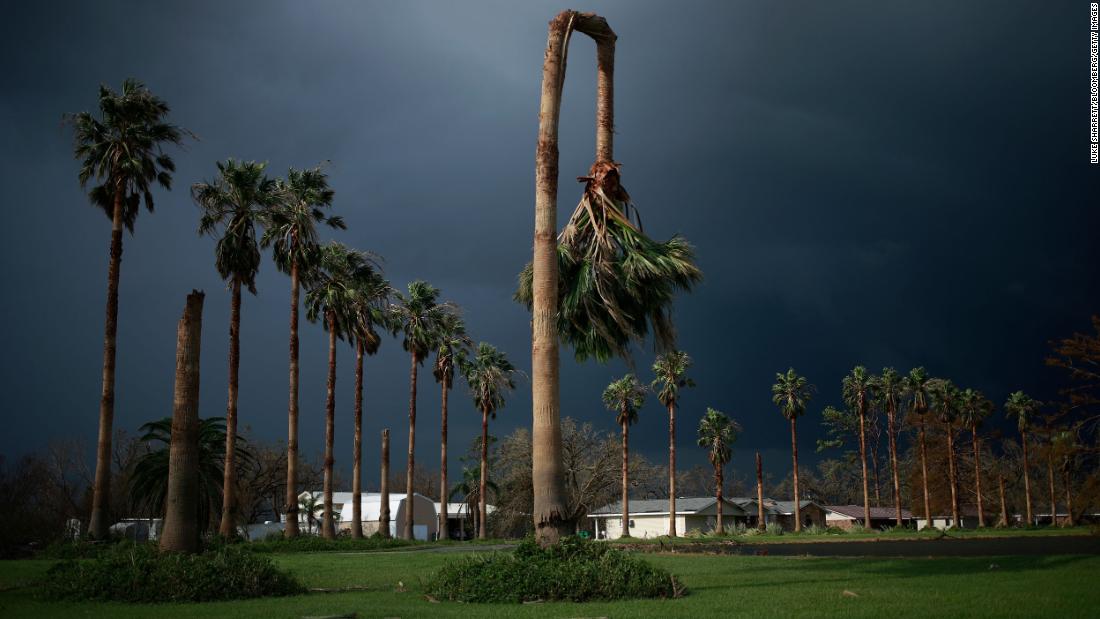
810	511
459	519
425	517
649	517
848	516
968	518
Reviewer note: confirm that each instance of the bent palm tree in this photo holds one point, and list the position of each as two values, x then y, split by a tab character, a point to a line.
418	316
453	347
670	370
123	149
624	397
791	393
974	407
489	377
717	433
916	386
1021	408
945	403
291	230
889	386
232	205
858	387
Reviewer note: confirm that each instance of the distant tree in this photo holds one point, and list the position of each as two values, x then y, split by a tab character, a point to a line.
974	407
123	149
890	387
945	403
717	433
791	393
1022	409
670	376
917	387
1079	356
1064	450
624	397
453	347
858	388
490	376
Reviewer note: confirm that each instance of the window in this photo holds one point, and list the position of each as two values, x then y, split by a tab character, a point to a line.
631	524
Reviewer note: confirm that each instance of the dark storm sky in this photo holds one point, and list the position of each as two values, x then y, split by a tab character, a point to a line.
865	183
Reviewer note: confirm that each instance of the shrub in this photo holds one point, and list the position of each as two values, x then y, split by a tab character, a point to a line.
573	570
314	543
141	573
774	528
815	529
857	528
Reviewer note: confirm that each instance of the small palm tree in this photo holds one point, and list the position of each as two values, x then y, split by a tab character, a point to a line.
945	403
453	347
470	489
314	508
670	371
123	150
791	393
916	387
418	315
489	376
331	298
974	407
624	397
858	388
291	232
232	205
717	433
890	388
1021	408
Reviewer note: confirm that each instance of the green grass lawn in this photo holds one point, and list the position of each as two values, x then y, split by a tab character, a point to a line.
1063	586
891	534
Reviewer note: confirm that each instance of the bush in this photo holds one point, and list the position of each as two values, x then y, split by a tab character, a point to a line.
314	543
574	570
774	528
141	573
814	529
857	528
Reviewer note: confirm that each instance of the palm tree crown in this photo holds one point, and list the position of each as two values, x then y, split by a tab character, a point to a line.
453	346
489	376
917	387
717	433
791	393
858	387
624	397
945	400
335	290
1022	409
890	386
291	227
124	148
670	370
419	316
974	407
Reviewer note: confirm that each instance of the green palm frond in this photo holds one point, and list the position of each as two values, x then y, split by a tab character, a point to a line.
335	287
418	316
670	376
290	228
717	433
916	387
791	393
489	376
1021	408
625	397
453	348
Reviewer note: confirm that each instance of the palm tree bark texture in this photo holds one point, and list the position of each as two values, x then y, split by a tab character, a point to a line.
384	488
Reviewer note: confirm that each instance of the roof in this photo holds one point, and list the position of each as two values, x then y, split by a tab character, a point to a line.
787	507
857	512
458	510
684	505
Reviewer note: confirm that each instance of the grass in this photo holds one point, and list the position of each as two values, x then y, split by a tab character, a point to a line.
391	584
892	534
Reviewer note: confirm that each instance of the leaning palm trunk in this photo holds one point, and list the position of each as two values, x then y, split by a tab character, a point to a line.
672	470
443	464
483	482
328	526
924	476
384	488
978	473
357	449
228	528
626	477
181	515
99	523
952	477
863	464
1027	480
292	413
407	531
794	463
894	464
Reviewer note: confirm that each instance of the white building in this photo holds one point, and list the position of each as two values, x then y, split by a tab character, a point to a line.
649	517
425	516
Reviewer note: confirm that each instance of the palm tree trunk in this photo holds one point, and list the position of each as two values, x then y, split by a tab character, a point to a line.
760	524
1003	522
718	483
328	526
894	464
99	524
181	514
978	473
482	487
1027	480
292	413
952	477
546	470
407	532
794	460
443	466
874	475
1053	499
1069	498
924	475
384	488
626	478
863	464
357	449
228	527
672	470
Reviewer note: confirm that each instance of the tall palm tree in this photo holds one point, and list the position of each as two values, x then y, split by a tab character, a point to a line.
858	388
670	370
1021	408
453	347
369	313
974	407
1064	448
489	376
791	393
418	315
945	403
123	151
624	397
291	230
331	298
890	388
232	205
917	388
717	433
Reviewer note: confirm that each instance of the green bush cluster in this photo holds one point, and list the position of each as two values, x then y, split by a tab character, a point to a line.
141	573
573	570
774	528
314	543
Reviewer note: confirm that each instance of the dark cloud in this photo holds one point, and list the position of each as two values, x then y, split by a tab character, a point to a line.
865	183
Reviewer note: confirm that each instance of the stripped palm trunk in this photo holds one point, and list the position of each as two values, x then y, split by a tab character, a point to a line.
549	514
924	476
407	531
952	477
357	449
1027	480
894	464
228	528
626	477
978	473
292	412
760	493
384	488
672	470
863	463
794	463
181	509
443	466
1003	522
483	483
99	523
328	526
